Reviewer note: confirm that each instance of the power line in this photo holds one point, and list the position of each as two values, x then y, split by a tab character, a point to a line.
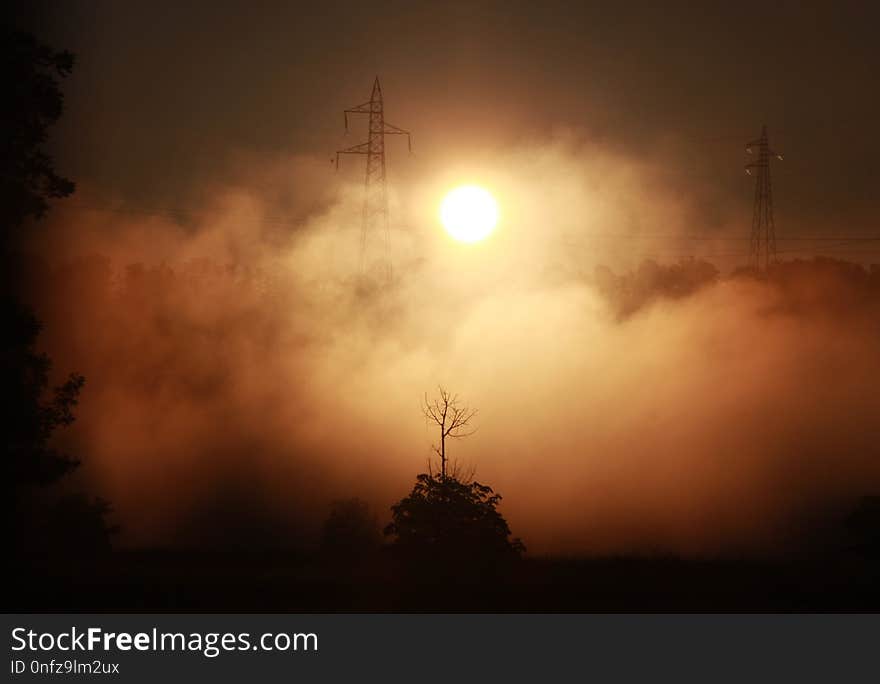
255	221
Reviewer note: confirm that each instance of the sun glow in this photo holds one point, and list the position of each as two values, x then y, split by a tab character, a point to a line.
469	213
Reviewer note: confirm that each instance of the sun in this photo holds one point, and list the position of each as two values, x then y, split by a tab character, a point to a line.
469	213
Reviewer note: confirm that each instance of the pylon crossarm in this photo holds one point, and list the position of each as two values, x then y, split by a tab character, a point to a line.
360	109
390	129
363	148
394	130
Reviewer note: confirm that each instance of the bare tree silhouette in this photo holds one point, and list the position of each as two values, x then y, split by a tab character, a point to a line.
454	420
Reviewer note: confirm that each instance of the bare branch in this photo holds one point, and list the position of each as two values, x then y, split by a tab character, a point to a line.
459	423
453	419
464	474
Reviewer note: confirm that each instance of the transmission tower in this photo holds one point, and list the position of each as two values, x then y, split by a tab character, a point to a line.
763	243
375	211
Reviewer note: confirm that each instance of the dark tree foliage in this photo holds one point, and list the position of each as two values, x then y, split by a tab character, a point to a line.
31	417
452	524
69	525
630	292
33	101
27	181
350	530
45	519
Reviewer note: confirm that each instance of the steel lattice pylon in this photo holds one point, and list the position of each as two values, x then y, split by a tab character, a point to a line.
763	243
375	210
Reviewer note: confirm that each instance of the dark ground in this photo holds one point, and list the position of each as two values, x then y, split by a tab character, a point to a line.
166	581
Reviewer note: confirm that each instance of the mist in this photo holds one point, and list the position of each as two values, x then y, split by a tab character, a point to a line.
241	374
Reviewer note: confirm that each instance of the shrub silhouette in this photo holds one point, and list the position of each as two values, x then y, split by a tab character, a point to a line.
350	530
67	524
864	524
452	526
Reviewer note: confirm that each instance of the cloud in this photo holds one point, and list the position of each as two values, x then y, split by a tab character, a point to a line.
240	376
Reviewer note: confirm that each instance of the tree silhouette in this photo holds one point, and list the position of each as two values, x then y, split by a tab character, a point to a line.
42	519
864	524
70	524
350	530
33	102
445	523
651	281
30	419
27	182
453	420
450	523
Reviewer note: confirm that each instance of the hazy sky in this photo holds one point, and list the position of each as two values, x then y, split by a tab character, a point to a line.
166	95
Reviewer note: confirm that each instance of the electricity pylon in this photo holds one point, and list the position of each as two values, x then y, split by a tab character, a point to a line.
375	211
762	251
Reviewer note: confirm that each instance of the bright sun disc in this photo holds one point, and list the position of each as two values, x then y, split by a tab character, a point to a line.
469	213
